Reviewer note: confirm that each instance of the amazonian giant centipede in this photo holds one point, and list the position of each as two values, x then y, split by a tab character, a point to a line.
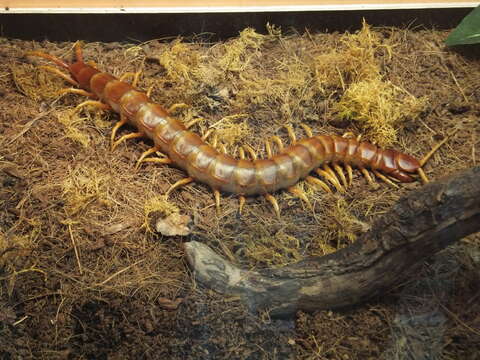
222	172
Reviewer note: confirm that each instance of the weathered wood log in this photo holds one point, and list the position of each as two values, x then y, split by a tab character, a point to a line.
416	227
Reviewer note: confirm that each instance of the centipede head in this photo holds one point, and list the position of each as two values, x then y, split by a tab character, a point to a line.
405	165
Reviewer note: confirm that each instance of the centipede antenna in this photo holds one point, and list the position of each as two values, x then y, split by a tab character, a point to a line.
127	137
317	182
291	134
268	148
278	142
118	125
423	176
178	184
385	179
49	57
349	174
59	73
241	203
332	179
142	157
340	173
216	193
94	103
274	204
251	152
435	148
307	129
77	92
301	195
176	107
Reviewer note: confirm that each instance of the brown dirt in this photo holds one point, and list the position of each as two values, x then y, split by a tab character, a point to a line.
83	276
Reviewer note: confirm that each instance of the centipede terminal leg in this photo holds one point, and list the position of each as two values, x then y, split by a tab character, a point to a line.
77	92
59	73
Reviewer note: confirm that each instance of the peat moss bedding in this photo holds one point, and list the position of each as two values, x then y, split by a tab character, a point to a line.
83	273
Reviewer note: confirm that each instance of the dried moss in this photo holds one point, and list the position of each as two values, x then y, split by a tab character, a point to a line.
380	108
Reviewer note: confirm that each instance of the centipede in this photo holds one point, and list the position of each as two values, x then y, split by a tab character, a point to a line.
318	159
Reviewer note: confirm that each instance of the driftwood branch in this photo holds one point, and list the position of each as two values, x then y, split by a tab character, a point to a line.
417	226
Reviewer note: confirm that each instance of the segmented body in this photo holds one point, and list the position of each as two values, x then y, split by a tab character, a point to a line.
222	172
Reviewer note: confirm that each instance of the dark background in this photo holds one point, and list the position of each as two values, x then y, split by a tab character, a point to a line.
214	26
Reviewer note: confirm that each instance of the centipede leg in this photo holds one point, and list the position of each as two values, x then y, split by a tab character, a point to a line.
135	75
207	134
94	103
291	134
241	203
268	148
278	142
178	184
150	151
385	179
274	204
368	177
333	180
127	137
123	120
301	195
59	73
317	182
176	107
193	122
340	173
307	129
215	141
216	193
250	151
349	174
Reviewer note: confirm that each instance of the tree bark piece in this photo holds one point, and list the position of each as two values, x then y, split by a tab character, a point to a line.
420	224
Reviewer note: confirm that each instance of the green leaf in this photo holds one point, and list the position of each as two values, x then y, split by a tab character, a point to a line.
468	31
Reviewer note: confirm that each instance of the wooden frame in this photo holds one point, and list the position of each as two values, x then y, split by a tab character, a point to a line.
215	6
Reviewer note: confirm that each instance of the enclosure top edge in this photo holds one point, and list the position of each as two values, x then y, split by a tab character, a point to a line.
236	9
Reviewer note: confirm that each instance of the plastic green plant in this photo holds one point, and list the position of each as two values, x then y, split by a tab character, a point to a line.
468	31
